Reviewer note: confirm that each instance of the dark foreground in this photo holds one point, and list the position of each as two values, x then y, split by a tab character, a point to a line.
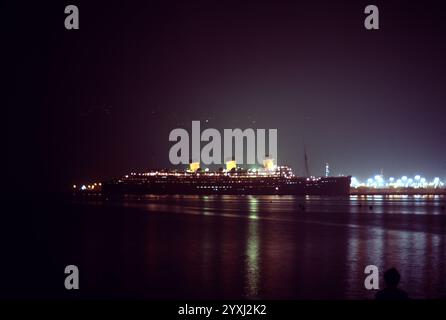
212	247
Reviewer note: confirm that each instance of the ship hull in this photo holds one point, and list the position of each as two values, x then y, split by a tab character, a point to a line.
230	185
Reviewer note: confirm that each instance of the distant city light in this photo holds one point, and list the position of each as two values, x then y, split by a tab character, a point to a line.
378	181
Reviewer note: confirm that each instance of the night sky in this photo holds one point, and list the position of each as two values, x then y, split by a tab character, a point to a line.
98	102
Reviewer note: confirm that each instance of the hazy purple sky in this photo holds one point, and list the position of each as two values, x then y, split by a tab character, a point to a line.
101	101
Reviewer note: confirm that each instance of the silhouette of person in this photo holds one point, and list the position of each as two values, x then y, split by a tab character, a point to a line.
391	292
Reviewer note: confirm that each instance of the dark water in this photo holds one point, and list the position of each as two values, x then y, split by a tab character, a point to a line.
270	247
255	247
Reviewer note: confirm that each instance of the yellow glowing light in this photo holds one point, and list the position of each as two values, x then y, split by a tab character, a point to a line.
268	164
231	164
194	166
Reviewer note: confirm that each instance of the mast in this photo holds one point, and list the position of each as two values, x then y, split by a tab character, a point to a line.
307	169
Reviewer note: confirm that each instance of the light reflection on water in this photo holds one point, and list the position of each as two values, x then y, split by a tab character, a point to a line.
297	247
252	251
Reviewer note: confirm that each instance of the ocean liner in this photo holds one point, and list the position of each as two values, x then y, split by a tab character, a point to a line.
270	179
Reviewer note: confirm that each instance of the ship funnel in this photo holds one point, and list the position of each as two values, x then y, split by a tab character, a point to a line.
268	164
231	164
194	166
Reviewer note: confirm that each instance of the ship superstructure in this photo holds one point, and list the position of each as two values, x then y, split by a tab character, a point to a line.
270	179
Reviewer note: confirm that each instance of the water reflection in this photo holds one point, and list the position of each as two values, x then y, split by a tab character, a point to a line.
406	234
252	264
275	246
